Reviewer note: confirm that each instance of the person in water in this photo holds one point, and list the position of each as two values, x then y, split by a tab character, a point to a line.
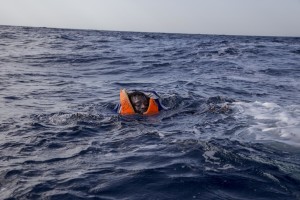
137	102
148	103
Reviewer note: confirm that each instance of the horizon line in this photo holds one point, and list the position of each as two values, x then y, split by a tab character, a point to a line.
152	32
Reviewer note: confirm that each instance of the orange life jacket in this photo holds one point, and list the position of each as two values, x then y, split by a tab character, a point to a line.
126	107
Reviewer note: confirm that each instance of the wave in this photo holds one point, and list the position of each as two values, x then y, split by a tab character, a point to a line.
271	121
230	130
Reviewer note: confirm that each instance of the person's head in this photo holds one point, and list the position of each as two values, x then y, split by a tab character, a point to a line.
139	101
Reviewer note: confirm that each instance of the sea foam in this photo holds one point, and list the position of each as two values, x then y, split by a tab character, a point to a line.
271	121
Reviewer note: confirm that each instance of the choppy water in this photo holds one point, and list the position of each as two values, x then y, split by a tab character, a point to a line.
61	139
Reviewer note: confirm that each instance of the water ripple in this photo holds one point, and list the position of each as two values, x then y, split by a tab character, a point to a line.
230	130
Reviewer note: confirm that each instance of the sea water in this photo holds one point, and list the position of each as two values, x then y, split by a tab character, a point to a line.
231	130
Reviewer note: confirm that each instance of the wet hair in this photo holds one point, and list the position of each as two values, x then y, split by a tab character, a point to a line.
137	93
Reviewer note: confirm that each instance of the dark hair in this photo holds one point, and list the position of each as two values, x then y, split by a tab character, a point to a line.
136	93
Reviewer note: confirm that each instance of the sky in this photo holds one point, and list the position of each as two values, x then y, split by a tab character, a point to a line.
225	17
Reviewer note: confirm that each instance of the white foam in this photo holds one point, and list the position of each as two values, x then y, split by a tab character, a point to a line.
271	121
210	157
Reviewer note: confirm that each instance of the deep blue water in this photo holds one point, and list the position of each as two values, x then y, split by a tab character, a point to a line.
61	139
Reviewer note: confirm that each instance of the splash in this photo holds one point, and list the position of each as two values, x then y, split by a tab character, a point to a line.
271	121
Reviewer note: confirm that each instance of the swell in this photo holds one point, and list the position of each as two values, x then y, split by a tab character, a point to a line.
230	129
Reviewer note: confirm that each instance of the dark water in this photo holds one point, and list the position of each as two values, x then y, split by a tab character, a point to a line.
61	139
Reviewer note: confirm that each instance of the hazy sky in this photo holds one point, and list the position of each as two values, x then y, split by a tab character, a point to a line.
237	17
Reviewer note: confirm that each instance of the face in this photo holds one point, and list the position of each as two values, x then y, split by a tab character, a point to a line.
140	103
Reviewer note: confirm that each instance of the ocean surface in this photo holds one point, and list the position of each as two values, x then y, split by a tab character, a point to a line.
231	130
